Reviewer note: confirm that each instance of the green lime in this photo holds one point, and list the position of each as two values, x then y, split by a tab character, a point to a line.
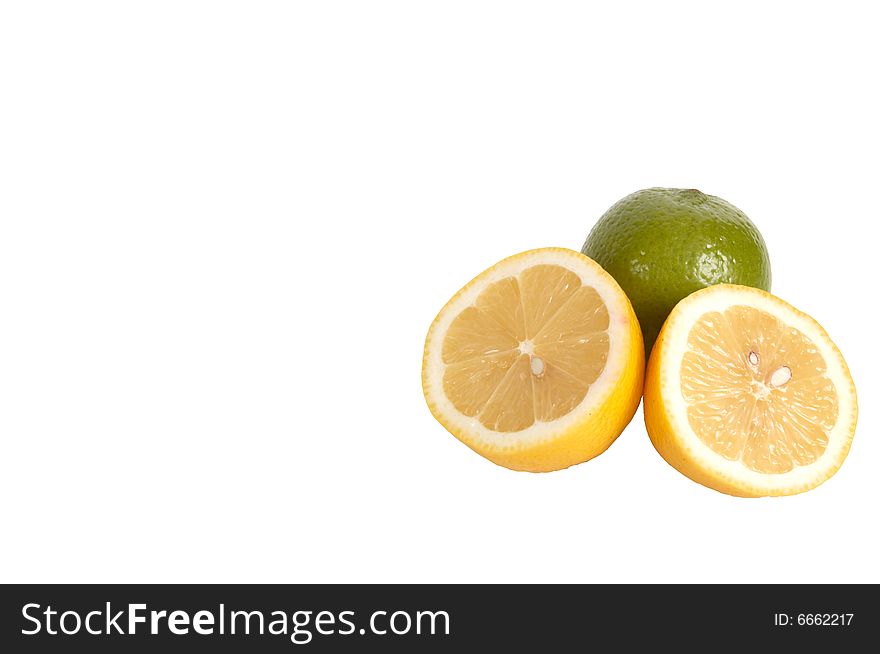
662	244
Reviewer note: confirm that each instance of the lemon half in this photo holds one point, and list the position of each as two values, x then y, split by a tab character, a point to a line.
747	395
538	363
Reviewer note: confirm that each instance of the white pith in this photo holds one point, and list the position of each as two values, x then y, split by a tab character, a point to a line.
675	344
590	274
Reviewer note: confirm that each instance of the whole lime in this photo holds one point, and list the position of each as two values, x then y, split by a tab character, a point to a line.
662	244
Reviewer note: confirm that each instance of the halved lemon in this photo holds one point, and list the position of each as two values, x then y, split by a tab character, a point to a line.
747	395
538	363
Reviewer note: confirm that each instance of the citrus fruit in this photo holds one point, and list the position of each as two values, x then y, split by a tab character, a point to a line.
538	363
747	395
662	244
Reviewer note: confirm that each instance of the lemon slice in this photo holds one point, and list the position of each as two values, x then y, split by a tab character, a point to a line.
747	395
538	363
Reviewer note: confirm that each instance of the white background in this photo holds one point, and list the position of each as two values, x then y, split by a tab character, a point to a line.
225	228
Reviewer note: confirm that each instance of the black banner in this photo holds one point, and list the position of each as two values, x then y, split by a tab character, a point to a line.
429	618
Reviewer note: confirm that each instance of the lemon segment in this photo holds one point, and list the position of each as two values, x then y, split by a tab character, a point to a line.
537	364
747	395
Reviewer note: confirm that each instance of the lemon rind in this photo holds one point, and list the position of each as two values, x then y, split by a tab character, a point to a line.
589	428
665	407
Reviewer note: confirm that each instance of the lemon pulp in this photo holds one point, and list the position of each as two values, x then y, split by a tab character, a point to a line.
527	350
757	390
